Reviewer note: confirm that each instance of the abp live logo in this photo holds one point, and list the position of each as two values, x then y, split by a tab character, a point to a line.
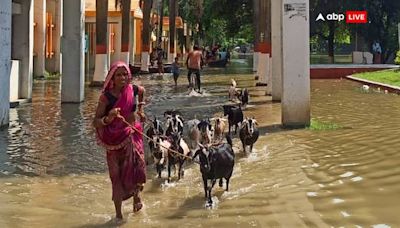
356	17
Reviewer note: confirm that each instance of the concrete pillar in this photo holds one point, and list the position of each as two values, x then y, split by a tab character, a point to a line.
132	42
59	34
255	59
72	85
117	42
172	53
22	45
5	60
39	45
276	30
263	68
296	63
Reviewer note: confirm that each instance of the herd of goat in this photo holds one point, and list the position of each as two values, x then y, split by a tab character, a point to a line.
204	143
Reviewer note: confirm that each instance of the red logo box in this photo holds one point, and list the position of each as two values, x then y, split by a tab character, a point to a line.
356	17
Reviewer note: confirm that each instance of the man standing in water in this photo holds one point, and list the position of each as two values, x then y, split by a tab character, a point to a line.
194	63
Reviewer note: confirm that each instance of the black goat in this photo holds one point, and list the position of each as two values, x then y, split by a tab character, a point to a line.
235	116
244	97
216	163
248	133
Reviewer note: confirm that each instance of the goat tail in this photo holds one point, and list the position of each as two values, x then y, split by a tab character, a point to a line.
229	139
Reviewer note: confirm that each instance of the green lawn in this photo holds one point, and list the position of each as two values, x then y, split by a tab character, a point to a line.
390	77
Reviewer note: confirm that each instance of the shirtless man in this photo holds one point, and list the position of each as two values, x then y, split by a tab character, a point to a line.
194	63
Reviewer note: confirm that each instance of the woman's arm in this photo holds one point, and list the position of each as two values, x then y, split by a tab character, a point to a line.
141	103
101	119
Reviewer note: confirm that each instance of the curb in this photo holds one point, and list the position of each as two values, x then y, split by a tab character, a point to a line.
390	88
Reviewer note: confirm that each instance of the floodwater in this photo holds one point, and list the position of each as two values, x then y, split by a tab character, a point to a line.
52	173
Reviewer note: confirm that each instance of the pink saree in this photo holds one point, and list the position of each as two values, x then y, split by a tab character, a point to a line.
125	154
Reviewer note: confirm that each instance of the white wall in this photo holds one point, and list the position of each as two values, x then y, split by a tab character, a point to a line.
14	80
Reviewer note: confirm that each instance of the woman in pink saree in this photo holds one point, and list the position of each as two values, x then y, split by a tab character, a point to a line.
124	145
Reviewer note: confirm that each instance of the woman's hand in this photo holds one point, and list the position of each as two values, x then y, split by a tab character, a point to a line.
142	116
112	114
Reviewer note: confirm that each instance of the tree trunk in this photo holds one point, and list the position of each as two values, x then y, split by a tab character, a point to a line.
172	31
160	24
256	16
147	4
331	42
126	31
101	62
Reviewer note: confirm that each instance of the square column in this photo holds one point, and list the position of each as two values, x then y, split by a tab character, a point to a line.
276	30
59	34
296	63
22	45
73	40
132	41
39	46
5	60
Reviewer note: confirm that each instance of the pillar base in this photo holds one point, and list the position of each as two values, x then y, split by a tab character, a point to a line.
101	68
145	62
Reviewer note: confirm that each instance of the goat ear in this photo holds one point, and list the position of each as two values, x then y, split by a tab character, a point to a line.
255	122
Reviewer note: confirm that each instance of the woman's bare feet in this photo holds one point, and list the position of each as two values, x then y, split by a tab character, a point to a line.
137	204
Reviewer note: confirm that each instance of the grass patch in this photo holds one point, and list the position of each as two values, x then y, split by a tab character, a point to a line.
389	77
48	76
317	125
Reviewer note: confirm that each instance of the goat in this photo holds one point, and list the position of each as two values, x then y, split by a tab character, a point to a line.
216	163
244	97
193	133
160	153
154	130
219	128
206	131
248	133
235	116
179	145
174	124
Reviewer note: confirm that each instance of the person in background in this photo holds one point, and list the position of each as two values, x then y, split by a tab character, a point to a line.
194	63
175	70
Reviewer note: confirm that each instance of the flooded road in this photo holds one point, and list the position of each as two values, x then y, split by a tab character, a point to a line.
52	173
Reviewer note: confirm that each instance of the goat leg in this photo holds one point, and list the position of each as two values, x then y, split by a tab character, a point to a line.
205	187
169	173
227	184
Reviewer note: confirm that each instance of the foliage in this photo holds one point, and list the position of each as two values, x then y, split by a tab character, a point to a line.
397	60
219	21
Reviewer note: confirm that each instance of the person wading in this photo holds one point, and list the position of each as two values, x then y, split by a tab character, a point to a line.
194	63
125	154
